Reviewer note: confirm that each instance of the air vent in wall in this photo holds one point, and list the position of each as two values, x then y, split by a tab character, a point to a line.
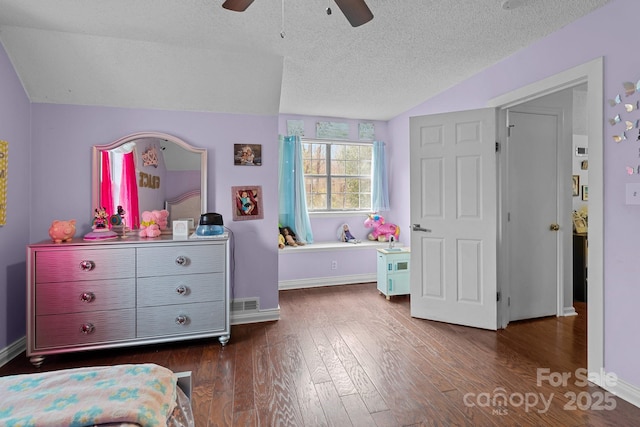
243	305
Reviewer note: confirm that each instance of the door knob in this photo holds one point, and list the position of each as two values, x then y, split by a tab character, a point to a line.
554	227
417	227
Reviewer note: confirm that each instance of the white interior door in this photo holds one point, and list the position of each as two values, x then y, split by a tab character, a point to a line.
454	218
533	239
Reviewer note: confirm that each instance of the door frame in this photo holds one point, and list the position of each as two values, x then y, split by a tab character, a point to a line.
591	73
562	208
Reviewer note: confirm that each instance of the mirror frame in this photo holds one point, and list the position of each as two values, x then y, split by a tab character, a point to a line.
95	164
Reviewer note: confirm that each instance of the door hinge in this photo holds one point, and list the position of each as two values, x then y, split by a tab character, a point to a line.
498	296
497	147
509	301
509	129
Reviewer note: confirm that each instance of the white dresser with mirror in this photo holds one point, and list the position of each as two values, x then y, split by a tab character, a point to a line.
122	292
132	290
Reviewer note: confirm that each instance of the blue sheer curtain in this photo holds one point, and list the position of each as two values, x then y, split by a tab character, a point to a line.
293	198
379	185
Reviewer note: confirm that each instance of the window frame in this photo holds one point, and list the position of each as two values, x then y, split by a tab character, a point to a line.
328	143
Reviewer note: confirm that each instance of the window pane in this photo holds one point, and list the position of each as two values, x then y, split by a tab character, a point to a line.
346	184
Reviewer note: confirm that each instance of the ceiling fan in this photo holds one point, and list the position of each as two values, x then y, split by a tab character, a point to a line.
356	11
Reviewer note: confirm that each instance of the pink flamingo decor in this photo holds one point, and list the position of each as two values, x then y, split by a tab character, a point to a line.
381	232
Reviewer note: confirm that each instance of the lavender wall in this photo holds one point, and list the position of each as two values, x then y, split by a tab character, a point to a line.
607	33
62	136
14	128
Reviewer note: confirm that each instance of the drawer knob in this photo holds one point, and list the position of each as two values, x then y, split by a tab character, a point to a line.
182	260
182	290
87	296
87	265
182	320
87	328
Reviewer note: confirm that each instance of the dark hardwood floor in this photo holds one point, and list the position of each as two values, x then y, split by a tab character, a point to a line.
344	355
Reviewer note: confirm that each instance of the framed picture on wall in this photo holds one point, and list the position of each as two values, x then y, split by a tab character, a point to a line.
576	185
247	154
247	202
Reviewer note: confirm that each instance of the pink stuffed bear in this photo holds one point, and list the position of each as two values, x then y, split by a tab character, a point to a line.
148	225
161	218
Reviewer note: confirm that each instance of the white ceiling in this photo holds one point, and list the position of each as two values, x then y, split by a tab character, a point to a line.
194	55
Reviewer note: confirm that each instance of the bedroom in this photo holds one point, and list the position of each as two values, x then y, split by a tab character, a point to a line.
43	185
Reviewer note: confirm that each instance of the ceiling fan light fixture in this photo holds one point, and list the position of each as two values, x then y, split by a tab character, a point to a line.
237	5
356	11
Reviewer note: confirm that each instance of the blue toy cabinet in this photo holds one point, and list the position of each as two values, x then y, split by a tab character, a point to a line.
393	271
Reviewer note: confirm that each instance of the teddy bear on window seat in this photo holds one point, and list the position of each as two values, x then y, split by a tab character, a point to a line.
290	238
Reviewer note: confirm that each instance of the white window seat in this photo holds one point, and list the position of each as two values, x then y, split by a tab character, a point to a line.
336	246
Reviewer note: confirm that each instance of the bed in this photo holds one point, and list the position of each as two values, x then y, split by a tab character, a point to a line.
187	206
119	395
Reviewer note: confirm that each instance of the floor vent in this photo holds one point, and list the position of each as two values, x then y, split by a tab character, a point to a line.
244	305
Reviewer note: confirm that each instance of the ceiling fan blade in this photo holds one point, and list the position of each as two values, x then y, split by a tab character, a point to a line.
237	5
356	11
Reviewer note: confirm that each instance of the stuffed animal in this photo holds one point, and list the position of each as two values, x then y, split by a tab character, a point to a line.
280	241
148	226
62	231
161	218
381	232
290	238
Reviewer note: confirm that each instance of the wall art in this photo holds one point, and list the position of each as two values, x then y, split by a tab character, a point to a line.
295	127
247	154
332	130
247	202
366	131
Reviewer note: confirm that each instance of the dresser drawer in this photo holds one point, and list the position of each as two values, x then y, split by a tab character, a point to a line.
84	264
94	295
101	327
181	319
165	290
185	259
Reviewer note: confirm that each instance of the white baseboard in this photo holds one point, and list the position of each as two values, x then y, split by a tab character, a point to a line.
8	353
569	311
624	391
315	282
255	317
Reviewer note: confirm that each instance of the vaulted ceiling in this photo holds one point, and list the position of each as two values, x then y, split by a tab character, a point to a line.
194	55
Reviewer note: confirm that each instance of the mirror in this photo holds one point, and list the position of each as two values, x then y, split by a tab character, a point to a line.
150	171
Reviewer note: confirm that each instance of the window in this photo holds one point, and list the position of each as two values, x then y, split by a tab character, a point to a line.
337	175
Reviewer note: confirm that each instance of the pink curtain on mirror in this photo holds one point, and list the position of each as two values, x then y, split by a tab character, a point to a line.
106	195
129	191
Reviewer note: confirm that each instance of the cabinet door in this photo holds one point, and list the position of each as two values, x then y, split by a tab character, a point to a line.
181	319
80	329
181	259
94	295
188	288
83	264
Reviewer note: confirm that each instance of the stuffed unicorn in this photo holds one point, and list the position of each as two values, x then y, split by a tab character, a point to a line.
381	232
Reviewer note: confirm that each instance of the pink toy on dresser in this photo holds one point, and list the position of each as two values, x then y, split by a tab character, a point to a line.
62	231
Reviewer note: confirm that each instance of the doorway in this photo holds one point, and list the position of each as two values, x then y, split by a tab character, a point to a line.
592	74
425	133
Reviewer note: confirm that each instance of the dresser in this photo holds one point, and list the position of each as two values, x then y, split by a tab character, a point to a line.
393	271
93	295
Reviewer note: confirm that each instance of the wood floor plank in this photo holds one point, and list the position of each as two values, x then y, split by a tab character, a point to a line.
347	356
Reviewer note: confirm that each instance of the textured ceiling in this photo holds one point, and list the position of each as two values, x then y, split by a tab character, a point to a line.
194	55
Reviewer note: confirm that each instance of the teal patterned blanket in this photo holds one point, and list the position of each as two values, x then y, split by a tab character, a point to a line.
143	394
